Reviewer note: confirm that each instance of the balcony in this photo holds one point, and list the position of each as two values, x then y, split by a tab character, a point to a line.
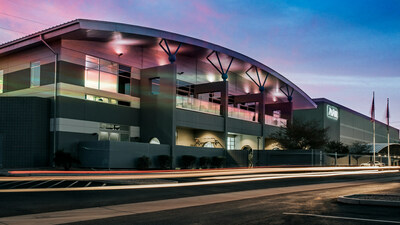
189	103
275	121
242	114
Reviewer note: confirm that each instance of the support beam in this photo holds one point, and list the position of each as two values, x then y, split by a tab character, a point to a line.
171	56
224	73
288	92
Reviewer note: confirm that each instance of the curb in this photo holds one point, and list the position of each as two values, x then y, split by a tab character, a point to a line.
358	201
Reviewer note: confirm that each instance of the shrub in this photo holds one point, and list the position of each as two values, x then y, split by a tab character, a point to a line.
64	159
164	161
188	161
217	161
143	162
205	162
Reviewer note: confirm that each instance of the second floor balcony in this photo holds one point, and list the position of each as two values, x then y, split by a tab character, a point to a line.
190	103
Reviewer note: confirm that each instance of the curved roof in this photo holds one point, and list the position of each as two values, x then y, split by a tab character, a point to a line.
382	148
104	30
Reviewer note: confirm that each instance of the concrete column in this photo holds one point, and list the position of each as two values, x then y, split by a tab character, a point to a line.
224	110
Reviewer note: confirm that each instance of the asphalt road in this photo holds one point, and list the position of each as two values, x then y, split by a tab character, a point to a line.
310	207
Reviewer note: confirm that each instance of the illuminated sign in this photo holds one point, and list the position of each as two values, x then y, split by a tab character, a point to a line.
332	112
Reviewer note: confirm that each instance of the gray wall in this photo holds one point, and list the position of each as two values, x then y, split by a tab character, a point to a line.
24	126
106	154
157	111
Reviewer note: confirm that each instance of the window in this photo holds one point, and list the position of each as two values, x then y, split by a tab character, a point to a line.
107	76
113	132
106	100
35	74
155	86
1	81
231	143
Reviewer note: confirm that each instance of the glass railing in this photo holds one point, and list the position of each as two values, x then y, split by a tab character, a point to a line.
185	102
242	114
275	121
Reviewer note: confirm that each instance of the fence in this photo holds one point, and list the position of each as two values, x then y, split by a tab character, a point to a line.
106	154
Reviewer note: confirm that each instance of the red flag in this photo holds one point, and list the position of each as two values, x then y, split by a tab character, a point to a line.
373	108
387	114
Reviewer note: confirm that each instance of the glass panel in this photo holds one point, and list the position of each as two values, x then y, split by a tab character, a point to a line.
1	81
35	74
108	66
155	86
114	137
92	79
90	97
124	71
124	85
103	136
108	82
92	62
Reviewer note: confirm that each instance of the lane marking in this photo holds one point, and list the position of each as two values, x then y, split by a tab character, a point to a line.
53	185
22	183
343	218
166	185
72	184
89	183
36	185
76	215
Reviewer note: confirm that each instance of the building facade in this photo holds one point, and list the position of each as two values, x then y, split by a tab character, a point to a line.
104	91
346	125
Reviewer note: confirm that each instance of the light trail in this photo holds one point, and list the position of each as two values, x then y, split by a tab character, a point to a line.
186	184
286	175
193	173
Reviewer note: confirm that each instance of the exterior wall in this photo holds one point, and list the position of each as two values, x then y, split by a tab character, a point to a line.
24	127
349	127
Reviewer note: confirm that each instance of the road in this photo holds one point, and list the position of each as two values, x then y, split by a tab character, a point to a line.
260	198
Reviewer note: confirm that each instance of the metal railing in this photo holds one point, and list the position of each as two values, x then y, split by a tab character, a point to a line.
185	102
242	114
275	121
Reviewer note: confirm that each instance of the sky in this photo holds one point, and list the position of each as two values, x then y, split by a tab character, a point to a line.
339	50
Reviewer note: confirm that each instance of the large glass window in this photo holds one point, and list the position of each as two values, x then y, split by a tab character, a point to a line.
35	74
113	132
107	76
1	81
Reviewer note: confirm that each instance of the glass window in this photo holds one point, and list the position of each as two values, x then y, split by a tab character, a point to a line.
108	66
124	71
108	82
231	143
155	86
1	81
35	74
92	78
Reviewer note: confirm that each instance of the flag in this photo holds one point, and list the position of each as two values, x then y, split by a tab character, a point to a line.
387	114
373	108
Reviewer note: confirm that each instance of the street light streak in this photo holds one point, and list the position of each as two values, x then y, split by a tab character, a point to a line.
171	185
286	175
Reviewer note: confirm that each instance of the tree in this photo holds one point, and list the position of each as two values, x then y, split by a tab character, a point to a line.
301	135
336	146
359	148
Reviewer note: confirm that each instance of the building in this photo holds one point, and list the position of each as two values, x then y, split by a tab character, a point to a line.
348	126
104	91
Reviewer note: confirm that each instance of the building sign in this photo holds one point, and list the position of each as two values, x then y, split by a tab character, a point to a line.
332	112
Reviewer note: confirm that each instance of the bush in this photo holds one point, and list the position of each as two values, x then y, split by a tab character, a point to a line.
143	162
205	162
164	161
188	161
64	159
217	161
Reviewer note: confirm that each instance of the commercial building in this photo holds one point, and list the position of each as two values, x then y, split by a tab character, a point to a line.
348	126
104	91
109	93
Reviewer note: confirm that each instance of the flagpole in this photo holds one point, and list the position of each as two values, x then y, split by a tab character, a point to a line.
374	142
373	115
388	134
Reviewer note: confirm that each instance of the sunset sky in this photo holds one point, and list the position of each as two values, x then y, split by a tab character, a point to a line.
340	50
